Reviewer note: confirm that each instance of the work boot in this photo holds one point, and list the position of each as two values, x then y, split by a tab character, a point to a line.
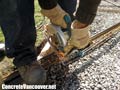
33	74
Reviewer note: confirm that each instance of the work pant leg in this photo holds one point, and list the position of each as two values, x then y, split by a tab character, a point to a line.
47	4
69	6
17	23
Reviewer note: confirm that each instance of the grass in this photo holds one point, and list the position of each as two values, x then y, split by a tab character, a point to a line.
1	36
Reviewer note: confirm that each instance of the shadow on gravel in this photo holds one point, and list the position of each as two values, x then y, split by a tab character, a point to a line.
71	82
59	75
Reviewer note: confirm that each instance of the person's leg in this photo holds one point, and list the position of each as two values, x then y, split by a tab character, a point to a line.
17	23
69	6
18	26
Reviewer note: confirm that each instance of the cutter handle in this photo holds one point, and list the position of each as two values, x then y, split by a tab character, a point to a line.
68	21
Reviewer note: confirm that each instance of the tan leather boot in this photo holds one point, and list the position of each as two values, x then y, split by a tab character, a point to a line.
33	74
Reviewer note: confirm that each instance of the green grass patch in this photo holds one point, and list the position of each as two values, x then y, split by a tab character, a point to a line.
1	36
38	19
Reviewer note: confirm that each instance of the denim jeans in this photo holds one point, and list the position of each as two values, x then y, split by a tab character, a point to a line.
18	26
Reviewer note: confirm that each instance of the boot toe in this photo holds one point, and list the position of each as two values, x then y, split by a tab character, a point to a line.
36	76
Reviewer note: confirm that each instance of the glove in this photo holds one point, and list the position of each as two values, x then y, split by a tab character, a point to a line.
80	37
56	16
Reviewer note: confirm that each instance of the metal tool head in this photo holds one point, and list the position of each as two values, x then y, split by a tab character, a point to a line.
60	36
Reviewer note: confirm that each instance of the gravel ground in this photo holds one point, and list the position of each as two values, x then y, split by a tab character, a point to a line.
100	70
